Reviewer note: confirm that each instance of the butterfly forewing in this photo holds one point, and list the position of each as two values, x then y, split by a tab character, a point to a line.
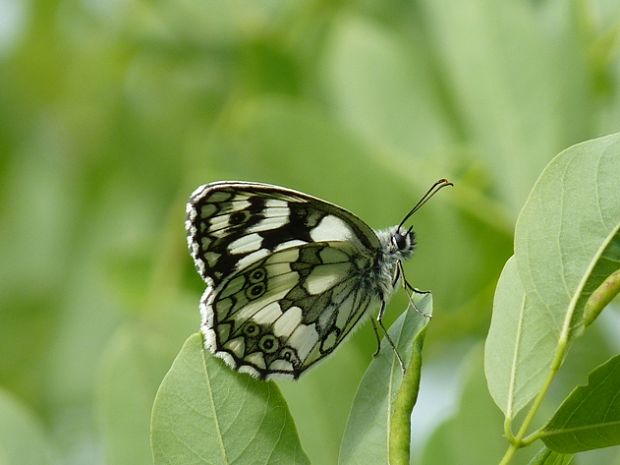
231	225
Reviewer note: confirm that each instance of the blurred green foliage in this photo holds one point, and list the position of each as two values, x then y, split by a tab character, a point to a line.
112	112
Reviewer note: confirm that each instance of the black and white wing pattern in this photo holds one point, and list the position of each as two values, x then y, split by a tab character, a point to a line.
288	275
287	311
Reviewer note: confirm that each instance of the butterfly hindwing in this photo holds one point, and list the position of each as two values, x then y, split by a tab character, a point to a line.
288	310
231	225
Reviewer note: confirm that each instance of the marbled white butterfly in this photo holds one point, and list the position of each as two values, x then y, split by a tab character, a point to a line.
288	275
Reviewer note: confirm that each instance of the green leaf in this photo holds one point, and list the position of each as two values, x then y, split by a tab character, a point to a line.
567	238
549	457
21	439
206	413
589	418
370	430
566	245
518	350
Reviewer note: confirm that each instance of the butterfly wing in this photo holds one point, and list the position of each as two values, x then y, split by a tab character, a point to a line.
287	274
232	224
289	310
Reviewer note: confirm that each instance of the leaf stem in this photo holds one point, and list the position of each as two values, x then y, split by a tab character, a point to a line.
508	430
530	438
520	439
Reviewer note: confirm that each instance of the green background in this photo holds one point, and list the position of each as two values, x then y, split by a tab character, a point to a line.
111	113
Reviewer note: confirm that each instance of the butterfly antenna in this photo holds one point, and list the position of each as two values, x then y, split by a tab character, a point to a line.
425	198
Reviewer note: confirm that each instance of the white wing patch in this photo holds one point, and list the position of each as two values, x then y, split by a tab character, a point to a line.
276	203
252	308
268	314
304	338
256	358
236	346
245	244
251	258
346	309
271	222
324	277
331	228
286	324
285	256
289	244
282	366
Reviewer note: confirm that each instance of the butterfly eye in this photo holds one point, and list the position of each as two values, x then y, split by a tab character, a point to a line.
269	343
400	240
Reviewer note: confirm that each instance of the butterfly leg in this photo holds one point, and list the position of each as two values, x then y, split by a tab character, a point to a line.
409	289
387	336
377	337
400	273
415	290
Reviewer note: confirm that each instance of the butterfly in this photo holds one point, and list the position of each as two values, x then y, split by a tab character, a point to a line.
289	275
